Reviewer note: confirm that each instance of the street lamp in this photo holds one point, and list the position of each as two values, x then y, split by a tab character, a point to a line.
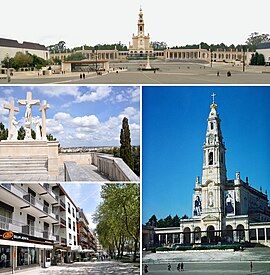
96	49
244	63
211	57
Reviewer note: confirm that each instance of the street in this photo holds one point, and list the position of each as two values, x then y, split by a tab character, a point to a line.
106	267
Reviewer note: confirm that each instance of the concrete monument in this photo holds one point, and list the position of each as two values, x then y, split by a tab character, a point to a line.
30	158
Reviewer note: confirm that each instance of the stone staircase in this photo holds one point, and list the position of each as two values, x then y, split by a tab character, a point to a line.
23	165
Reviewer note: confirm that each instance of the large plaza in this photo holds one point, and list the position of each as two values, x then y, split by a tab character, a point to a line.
210	262
168	73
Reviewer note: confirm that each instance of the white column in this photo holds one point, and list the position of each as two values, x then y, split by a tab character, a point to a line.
257	235
265	236
166	238
159	237
181	237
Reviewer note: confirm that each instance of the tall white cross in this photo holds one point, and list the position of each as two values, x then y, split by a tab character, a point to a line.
12	109
213	95
28	102
43	107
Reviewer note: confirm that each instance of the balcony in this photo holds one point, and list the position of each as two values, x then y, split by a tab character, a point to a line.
63	241
63	222
19	196
19	227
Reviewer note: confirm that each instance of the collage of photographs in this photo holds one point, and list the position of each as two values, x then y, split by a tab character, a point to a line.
134	137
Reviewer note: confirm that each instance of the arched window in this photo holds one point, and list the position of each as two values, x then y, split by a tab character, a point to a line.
211	125
210	158
140	28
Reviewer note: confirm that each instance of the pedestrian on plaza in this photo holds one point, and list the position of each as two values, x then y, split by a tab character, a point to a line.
229	74
83	75
80	76
146	268
251	266
169	267
182	266
218	73
178	267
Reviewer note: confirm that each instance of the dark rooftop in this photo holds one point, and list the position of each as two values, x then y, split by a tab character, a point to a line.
25	45
264	45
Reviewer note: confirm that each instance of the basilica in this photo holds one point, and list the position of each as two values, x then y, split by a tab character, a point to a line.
224	210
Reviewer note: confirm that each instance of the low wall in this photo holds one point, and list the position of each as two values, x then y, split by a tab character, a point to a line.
79	158
113	168
32	148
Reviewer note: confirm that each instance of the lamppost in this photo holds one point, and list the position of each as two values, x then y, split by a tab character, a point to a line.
244	63
96	49
211	57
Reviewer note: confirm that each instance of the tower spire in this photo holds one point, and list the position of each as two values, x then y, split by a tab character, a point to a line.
213	95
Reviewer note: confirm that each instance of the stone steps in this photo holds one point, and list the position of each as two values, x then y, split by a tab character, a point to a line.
23	165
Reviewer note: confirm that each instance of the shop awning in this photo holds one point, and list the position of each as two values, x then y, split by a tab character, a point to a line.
25	244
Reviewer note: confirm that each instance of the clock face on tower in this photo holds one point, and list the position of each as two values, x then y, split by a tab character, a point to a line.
211	139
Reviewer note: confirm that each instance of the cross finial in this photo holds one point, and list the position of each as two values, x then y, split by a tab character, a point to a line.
213	95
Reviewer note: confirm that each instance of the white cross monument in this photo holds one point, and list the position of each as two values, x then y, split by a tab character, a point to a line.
43	107
28	102
12	109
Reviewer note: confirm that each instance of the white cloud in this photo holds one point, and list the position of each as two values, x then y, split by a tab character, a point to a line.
54	127
62	116
58	91
86	121
94	94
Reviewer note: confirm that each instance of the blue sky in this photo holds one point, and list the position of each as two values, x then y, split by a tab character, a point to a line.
174	128
85	196
81	115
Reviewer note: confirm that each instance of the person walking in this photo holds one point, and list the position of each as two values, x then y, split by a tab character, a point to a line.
178	267
146	268
169	267
251	266
182	266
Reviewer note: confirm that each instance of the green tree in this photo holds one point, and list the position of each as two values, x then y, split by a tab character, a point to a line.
257	59
21	133
50	137
152	221
21	60
3	132
125	141
159	46
118	218
255	39
75	57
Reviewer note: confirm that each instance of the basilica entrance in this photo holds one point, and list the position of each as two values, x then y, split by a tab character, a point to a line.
187	235
210	233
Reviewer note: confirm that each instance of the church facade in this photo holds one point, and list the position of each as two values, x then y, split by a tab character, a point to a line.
223	210
141	45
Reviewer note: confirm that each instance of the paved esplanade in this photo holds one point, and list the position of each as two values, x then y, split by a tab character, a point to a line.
95	268
227	268
210	261
169	73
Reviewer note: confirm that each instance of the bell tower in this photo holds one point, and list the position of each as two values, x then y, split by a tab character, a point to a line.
214	170
214	167
140	24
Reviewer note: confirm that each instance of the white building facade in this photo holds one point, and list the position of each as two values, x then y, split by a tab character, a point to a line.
66	229
224	210
9	48
27	217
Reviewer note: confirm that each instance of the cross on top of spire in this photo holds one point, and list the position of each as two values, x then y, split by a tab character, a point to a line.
213	95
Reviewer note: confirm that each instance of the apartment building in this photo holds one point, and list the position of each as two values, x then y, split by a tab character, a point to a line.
27	218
